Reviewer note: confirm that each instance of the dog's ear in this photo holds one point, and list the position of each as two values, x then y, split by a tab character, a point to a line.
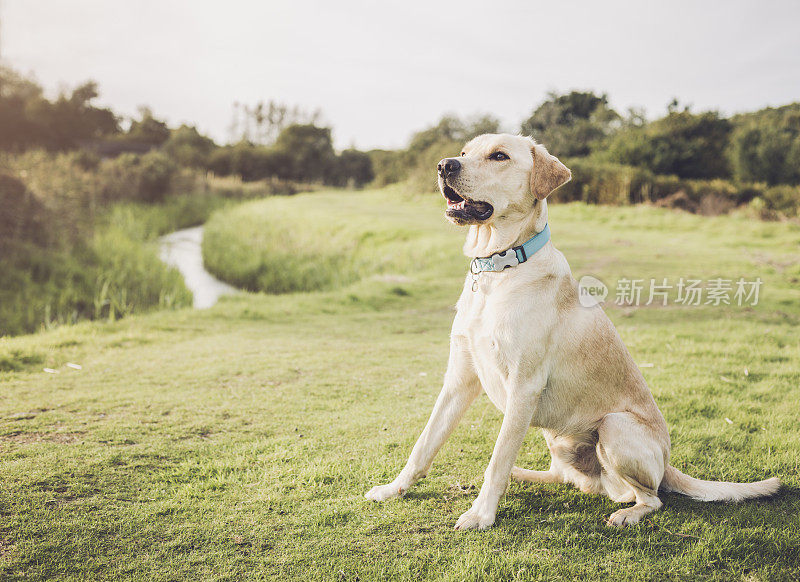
548	172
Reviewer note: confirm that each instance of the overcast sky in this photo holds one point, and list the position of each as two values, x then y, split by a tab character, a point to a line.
380	70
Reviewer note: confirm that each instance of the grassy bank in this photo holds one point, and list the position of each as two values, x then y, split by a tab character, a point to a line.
236	443
325	240
114	273
79	242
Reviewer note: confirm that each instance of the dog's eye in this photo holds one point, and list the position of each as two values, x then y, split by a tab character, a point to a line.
463	154
499	157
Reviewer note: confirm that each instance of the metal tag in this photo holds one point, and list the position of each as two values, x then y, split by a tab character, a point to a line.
505	259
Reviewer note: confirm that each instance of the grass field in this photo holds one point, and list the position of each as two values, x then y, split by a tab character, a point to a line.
237	443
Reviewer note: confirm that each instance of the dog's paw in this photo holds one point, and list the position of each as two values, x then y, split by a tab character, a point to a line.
623	518
384	492
475	519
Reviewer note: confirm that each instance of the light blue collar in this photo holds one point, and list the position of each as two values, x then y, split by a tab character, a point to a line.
514	256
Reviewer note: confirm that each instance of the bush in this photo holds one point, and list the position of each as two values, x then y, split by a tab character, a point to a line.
251	163
597	182
59	200
303	153
781	202
234	188
114	275
604	183
23	217
128	277
140	178
308	149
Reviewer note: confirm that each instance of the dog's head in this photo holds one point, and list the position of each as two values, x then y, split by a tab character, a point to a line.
498	176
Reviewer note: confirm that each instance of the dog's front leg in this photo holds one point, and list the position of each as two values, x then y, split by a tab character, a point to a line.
461	387
519	410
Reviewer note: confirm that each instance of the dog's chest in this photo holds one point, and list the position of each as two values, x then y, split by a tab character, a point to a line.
493	340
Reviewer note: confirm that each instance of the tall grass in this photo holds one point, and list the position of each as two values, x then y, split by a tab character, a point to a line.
114	274
78	236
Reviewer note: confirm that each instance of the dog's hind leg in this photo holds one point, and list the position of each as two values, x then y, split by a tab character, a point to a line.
633	462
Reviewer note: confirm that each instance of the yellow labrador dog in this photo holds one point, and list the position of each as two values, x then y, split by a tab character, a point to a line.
521	335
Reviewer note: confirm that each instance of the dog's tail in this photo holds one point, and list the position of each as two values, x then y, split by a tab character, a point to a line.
675	481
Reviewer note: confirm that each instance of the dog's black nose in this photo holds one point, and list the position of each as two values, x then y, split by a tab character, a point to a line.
448	166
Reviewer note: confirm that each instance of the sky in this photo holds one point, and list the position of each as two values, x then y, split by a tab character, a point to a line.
380	71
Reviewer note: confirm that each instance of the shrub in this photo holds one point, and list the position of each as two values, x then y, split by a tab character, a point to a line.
64	257
781	202
308	149
604	183
60	197
251	163
134	177
597	182
23	217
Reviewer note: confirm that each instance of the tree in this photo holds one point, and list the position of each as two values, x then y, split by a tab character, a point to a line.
29	120
686	144
451	128
352	167
446	138
310	149
71	120
17	129
573	124
765	146
147	129
188	147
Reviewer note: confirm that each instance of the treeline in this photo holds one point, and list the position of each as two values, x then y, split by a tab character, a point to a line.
273	142
702	162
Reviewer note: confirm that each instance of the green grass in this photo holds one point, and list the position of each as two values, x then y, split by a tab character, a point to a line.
284	245
236	443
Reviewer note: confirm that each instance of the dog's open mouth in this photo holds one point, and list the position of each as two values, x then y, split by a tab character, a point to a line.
463	210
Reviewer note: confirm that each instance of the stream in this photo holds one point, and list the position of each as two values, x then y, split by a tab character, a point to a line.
182	249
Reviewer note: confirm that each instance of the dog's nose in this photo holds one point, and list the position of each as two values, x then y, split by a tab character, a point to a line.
448	166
